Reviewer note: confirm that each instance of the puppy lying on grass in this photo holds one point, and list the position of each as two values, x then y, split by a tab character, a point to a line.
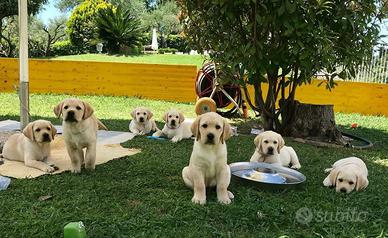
176	128
270	149
347	174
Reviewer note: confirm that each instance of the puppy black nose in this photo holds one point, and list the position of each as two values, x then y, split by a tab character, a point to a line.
70	113
46	137
343	190
172	122
141	119
270	150
210	136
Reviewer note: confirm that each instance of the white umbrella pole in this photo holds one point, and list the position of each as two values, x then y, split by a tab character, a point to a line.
23	64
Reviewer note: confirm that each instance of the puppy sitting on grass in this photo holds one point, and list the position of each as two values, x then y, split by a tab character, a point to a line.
270	149
208	162
32	146
79	131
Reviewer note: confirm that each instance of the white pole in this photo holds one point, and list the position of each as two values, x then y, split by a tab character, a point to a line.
23	63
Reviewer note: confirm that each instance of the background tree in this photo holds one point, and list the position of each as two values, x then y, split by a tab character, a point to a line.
283	44
165	19
119	29
81	27
43	36
8	9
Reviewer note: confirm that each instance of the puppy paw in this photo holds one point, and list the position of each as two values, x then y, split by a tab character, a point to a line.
90	166
224	200
76	171
328	170
230	195
327	182
50	169
141	133
296	166
198	200
175	139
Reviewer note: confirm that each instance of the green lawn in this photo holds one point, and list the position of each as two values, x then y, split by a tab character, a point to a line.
144	196
149	58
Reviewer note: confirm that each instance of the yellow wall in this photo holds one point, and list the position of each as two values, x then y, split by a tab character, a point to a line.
170	82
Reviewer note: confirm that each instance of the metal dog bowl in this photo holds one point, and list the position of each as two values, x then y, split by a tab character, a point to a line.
265	175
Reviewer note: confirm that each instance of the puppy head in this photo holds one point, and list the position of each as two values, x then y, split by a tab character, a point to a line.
141	114
73	110
211	129
269	143
40	131
344	180
173	118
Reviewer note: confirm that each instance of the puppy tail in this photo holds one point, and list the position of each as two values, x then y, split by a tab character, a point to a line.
101	125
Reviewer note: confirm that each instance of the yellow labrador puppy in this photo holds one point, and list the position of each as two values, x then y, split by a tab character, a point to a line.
208	162
79	131
270	149
347	174
142	123
176	128
32	146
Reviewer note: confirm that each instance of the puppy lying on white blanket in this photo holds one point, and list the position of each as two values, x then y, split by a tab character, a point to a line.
347	174
32	146
176	128
270	149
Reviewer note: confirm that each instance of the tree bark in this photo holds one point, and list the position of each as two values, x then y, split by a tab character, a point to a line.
311	121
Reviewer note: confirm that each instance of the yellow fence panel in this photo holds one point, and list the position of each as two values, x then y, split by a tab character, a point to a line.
170	82
165	82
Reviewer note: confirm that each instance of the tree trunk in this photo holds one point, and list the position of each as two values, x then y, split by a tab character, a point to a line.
312	121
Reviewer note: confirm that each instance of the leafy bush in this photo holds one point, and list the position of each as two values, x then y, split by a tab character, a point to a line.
119	29
81	27
167	50
65	48
178	42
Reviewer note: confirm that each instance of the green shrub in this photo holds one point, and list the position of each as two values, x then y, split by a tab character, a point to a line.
81	27
167	50
65	48
177	42
119	29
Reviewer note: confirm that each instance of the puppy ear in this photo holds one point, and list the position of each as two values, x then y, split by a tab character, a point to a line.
133	113
165	116
333	177
226	132
181	117
53	131
58	109
362	183
28	131
280	143
88	110
195	128
149	114
257	142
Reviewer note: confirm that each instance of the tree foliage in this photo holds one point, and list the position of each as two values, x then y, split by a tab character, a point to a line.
43	36
283	43
118	28
81	26
8	33
164	18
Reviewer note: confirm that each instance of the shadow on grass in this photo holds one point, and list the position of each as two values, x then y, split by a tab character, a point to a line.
143	195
